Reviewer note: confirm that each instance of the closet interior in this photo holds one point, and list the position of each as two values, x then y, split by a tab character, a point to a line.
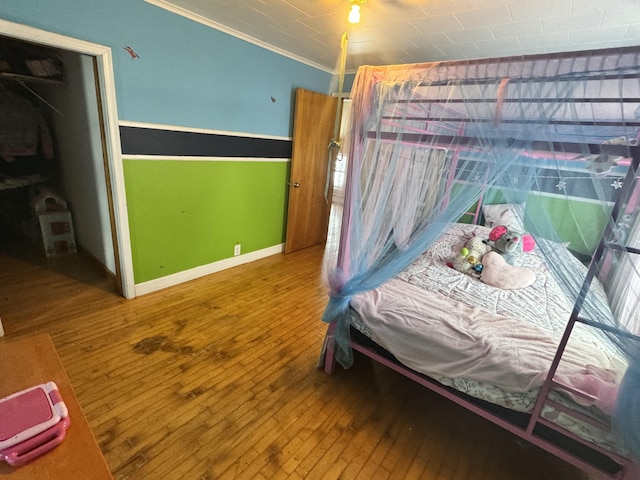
28	163
53	191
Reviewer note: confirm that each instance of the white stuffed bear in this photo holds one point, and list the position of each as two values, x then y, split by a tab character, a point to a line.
469	259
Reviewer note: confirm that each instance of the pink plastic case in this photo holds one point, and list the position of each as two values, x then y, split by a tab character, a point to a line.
32	422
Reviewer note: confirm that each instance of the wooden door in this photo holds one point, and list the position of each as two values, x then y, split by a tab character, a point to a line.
308	209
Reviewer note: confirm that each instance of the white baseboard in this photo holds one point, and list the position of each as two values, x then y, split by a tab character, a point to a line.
192	274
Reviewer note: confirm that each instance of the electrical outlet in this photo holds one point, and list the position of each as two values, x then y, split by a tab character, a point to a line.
236	250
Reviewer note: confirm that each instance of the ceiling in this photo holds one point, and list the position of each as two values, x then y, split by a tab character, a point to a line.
410	31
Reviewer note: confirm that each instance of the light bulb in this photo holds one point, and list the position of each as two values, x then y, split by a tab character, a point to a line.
354	14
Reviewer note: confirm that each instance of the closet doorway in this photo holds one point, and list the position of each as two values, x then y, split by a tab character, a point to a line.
86	169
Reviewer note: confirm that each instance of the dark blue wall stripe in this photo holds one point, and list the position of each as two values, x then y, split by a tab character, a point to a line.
151	141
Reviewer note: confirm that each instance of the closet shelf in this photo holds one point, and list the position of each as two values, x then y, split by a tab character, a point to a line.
30	78
9	183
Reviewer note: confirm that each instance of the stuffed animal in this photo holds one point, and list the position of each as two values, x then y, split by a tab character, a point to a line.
510	243
498	273
469	259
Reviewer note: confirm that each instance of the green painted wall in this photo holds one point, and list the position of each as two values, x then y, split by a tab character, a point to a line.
562	216
184	214
578	222
556	218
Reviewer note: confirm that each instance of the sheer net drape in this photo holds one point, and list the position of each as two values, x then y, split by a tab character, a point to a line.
430	141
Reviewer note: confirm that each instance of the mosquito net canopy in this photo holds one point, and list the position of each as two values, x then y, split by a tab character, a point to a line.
550	138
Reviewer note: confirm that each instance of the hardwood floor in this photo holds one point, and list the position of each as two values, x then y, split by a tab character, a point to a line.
217	379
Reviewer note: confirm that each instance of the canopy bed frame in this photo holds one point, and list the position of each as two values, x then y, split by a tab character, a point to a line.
431	148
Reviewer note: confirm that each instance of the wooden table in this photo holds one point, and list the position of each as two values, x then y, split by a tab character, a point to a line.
27	362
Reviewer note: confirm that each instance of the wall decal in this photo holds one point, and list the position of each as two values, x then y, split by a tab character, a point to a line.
131	52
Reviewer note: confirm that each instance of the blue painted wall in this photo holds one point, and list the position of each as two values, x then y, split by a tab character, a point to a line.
348	82
188	74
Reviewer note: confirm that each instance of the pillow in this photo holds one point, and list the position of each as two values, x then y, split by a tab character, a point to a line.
507	214
498	273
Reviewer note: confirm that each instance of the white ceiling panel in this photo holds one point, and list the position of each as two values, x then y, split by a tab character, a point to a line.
540	9
517	29
471	35
567	23
558	42
484	16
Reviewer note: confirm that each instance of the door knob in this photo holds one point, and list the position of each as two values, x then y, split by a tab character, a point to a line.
294	185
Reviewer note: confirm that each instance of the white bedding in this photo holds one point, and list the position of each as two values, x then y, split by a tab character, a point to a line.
482	340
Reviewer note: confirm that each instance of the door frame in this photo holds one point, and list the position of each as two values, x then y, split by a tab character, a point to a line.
111	133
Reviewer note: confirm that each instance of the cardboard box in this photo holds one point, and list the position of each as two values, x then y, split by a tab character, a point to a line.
58	236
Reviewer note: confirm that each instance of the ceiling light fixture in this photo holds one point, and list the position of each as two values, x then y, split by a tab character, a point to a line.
354	14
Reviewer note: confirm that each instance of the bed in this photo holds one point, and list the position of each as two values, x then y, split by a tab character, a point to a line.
433	148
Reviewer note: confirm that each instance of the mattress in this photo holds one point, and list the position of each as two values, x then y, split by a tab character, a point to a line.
493	344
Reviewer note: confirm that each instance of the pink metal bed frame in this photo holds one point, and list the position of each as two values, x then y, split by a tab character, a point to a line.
628	469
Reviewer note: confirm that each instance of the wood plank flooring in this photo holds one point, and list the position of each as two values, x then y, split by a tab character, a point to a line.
217	379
